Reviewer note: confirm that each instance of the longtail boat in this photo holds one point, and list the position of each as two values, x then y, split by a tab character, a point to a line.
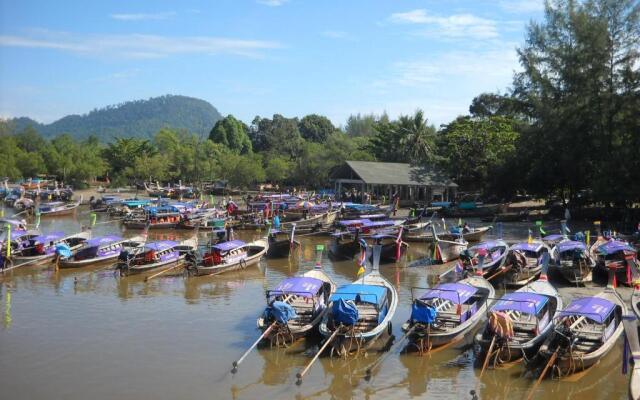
58	208
446	313
360	313
574	261
523	263
632	338
295	307
230	256
617	255
494	253
100	250
156	256
519	322
43	248
584	332
161	217
281	243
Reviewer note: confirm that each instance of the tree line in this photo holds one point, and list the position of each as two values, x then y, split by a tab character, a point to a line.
569	126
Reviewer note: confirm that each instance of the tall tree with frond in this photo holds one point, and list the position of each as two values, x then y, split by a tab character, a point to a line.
417	137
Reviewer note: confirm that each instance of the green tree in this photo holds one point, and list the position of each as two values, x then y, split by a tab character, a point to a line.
476	148
278	169
316	128
364	125
231	133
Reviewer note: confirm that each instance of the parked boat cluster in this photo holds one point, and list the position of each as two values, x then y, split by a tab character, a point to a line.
530	325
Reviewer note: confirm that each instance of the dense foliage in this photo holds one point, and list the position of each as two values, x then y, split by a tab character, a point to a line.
141	118
568	127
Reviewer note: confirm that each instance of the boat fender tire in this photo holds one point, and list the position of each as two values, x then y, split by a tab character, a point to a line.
243	263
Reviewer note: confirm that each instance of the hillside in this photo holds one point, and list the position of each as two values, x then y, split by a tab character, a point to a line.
139	118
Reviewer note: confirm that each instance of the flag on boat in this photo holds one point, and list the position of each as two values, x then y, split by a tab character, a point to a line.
362	260
530	238
459	268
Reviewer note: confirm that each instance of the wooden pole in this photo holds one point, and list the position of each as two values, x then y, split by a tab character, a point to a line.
544	372
300	375
376	364
486	359
236	363
148	278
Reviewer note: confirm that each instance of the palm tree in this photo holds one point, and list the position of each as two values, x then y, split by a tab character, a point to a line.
417	137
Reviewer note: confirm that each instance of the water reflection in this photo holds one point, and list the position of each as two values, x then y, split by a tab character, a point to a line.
175	335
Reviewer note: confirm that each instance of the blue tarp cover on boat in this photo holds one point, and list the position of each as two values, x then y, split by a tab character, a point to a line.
63	250
457	293
526	302
365	293
423	313
280	312
595	308
351	222
345	312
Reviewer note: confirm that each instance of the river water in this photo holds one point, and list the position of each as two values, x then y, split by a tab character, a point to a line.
87	334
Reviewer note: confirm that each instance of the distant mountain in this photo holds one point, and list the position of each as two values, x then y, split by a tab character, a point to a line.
139	118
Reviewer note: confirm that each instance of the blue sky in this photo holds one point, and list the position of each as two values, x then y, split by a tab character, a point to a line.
259	57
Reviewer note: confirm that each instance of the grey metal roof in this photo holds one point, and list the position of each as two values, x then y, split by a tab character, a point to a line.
383	173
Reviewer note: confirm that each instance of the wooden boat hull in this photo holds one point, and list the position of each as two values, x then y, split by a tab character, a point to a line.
507	351
281	248
576	272
58	213
156	267
423	340
45	258
343	250
571	362
349	341
92	262
143	225
256	249
293	331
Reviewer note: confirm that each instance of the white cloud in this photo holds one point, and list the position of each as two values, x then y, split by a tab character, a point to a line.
453	26
273	3
143	16
139	45
522	6
444	83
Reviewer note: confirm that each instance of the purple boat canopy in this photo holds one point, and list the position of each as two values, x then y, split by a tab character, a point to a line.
298	285
160	246
457	293
352	222
49	237
103	240
487	245
228	246
595	308
571	245
15	234
526	302
553	237
615	246
373	224
524	246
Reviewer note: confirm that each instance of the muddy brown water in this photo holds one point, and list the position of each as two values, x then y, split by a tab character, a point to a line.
87	334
